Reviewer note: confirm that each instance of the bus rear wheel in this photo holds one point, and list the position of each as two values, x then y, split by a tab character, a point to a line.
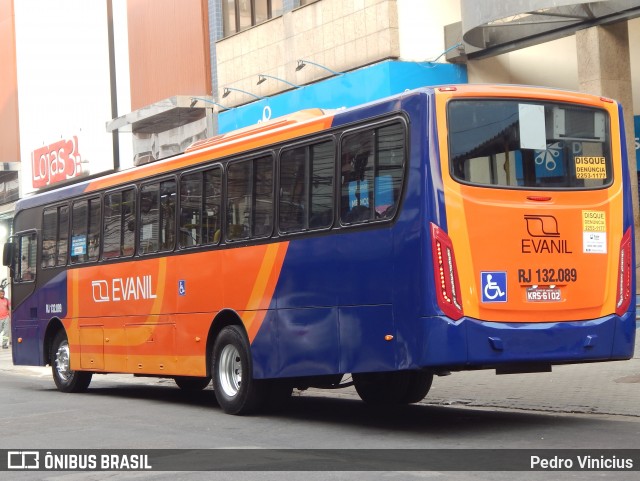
234	387
192	383
418	387
397	387
66	379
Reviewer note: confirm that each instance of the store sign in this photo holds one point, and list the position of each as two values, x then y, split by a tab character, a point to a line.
56	162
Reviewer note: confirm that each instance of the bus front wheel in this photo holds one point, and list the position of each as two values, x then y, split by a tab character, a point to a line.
234	387
66	380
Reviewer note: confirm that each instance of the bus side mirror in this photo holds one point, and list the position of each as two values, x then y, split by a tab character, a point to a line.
7	254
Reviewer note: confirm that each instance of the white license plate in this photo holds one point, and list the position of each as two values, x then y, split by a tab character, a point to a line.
537	294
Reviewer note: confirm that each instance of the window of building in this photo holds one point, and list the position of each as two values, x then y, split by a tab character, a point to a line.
372	173
200	208
250	198
55	236
157	226
239	15
119	224
306	187
85	230
9	187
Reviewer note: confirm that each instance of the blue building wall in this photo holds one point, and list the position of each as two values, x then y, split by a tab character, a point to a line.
346	90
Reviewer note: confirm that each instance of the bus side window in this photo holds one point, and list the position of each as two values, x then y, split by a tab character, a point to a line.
85	230
119	224
200	197
306	187
49	237
211	225
323	165
239	184
390	159
55	236
250	198
372	173
149	215
168	215
293	190
128	245
263	197
190	210
357	177
25	258
157	217
63	235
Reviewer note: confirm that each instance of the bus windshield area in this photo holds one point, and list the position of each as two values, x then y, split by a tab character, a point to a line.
528	145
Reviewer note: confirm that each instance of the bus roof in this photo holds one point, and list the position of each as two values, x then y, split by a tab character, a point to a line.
265	133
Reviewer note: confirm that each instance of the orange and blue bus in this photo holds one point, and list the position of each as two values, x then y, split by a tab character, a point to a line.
443	229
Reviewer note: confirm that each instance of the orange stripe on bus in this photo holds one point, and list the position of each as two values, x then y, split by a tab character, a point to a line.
157	319
263	288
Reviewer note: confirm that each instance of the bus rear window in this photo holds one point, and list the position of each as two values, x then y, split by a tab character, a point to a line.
528	145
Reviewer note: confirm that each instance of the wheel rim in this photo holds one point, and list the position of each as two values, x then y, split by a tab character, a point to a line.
230	370
62	361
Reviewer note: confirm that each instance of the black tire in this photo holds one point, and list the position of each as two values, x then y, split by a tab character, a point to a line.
192	383
66	380
278	393
382	388
418	386
232	373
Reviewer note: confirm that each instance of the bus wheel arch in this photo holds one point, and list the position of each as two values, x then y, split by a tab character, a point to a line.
224	318
231	366
54	326
65	378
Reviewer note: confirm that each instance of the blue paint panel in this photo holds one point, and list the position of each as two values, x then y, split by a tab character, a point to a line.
30	320
586	340
342	286
362	339
263	350
628	202
46	198
28	351
308	342
309	275
378	281
636	125
493	343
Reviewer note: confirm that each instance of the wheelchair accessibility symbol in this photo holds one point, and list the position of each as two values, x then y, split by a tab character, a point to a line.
182	287
494	286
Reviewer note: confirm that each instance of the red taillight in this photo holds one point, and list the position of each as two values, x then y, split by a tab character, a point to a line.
623	296
446	274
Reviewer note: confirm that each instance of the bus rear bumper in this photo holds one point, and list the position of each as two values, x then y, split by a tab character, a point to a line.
470	343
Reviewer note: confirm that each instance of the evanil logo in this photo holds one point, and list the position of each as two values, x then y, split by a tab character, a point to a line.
123	289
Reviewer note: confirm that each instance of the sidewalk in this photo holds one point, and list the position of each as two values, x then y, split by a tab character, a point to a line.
597	388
